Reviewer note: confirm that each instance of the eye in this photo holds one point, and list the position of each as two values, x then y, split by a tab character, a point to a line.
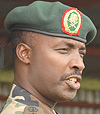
82	54
63	50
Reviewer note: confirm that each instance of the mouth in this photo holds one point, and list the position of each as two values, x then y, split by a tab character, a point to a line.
74	79
73	82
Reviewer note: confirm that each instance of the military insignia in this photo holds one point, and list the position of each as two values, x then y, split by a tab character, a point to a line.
72	21
33	110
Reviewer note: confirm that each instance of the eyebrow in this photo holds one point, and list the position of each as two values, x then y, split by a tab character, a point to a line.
72	45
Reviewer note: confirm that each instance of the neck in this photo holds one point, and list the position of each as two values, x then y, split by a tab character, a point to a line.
21	78
46	104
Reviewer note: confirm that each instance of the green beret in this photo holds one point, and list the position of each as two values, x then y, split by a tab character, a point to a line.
52	18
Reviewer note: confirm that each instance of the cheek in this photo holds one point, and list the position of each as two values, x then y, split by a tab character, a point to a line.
52	67
47	70
51	64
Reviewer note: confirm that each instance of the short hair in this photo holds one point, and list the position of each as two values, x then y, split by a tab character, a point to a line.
17	37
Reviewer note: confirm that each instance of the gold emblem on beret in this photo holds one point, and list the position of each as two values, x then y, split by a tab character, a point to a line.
72	21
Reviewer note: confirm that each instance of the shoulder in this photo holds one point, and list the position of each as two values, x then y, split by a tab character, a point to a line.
20	108
13	107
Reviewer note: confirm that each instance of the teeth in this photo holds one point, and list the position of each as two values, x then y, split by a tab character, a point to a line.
73	80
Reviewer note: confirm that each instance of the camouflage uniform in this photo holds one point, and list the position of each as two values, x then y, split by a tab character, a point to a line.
19	102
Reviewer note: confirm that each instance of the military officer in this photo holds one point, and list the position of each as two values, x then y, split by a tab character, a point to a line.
49	43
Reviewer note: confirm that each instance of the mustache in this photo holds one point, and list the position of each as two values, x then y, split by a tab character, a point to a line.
63	77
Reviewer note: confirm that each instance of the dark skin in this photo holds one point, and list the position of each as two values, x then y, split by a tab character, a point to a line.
47	68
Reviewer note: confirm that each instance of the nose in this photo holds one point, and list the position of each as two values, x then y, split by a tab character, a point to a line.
77	64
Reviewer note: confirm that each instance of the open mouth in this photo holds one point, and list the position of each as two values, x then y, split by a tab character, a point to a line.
73	80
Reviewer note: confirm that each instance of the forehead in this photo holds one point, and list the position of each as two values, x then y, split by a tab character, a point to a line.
58	41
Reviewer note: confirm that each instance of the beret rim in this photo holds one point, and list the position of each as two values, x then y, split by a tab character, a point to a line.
24	28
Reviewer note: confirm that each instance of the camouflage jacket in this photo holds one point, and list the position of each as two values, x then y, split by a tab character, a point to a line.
19	102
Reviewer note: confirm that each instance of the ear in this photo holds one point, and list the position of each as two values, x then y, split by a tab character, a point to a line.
23	53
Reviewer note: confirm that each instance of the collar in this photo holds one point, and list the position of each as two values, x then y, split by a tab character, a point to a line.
22	96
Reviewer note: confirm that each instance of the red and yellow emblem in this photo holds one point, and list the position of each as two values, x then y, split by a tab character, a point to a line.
72	21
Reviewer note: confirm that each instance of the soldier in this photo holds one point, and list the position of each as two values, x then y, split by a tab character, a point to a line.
49	43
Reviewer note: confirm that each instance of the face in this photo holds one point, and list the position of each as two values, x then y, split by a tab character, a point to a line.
56	67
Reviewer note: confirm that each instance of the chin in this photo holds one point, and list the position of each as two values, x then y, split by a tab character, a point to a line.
67	96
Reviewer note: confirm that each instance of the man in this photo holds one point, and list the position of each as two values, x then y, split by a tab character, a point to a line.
48	41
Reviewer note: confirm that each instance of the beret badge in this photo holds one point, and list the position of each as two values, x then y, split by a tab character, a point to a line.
71	21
